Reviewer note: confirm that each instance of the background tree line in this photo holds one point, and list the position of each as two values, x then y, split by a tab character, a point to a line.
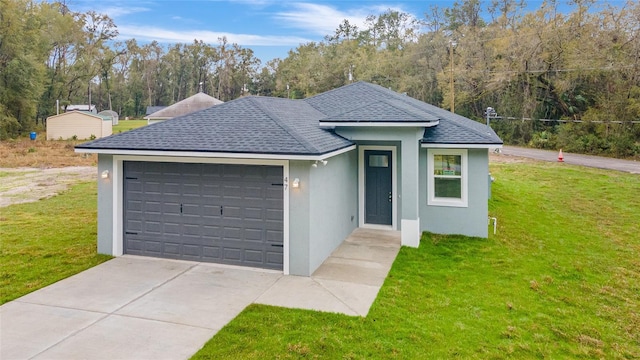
579	65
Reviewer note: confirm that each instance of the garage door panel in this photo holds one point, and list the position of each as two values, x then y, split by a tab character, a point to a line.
172	229
211	232
274	215
189	210
191	230
134	205
253	234
134	225
135	246
254	214
176	212
212	253
274	236
153	207
231	254
169	249
254	256
153	227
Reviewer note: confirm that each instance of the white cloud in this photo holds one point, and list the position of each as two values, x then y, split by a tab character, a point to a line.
151	33
324	19
117	11
256	3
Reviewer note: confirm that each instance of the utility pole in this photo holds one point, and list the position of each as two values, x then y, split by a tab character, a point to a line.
452	44
491	112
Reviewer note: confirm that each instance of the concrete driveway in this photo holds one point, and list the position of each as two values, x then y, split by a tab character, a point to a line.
145	308
129	308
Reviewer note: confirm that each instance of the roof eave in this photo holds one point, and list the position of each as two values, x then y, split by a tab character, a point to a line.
211	154
328	124
462	145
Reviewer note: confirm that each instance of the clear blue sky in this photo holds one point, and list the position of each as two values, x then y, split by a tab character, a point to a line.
270	27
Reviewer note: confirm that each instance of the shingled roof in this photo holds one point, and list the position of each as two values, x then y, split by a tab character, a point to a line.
365	103
265	125
247	125
193	103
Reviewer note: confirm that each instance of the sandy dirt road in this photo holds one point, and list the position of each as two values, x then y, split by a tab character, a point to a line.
629	166
22	185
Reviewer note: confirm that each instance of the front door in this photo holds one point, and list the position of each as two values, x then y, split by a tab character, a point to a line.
377	187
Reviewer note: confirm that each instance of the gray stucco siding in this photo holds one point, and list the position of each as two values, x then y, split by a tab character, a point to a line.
299	204
323	211
105	205
468	221
333	211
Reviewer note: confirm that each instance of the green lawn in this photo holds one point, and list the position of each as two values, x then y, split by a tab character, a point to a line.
561	279
126	125
46	241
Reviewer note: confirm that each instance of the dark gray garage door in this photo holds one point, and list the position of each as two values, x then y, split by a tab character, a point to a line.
222	213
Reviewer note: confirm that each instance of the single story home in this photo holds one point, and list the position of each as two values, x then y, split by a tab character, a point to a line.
81	107
278	183
79	125
193	103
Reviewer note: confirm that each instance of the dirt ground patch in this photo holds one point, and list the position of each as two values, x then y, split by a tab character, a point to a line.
21	185
42	154
506	159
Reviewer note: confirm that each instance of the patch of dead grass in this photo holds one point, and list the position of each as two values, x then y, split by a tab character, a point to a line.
43	153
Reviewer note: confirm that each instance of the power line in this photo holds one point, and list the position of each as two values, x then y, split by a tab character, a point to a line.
567	121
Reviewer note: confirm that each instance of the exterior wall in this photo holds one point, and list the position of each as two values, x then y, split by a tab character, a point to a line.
323	210
107	128
333	212
299	203
408	213
469	221
67	125
105	205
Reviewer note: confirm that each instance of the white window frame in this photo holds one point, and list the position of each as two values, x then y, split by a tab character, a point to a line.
463	201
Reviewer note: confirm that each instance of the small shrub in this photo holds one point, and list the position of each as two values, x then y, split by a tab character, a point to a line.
32	150
92	137
74	137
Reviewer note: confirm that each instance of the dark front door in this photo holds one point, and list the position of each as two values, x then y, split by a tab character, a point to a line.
377	187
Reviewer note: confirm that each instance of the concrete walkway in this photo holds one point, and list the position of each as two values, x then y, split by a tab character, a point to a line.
347	282
600	162
144	308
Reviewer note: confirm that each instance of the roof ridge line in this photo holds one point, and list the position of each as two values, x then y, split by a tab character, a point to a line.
478	132
386	101
456	121
307	145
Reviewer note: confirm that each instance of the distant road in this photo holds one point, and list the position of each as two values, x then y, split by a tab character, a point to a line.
629	166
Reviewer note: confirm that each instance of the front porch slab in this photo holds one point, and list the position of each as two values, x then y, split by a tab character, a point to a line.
347	282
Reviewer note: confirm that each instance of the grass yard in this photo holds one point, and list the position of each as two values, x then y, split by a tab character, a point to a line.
46	241
126	125
561	279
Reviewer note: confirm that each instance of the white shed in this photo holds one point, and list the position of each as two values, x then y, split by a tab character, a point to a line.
114	116
78	124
